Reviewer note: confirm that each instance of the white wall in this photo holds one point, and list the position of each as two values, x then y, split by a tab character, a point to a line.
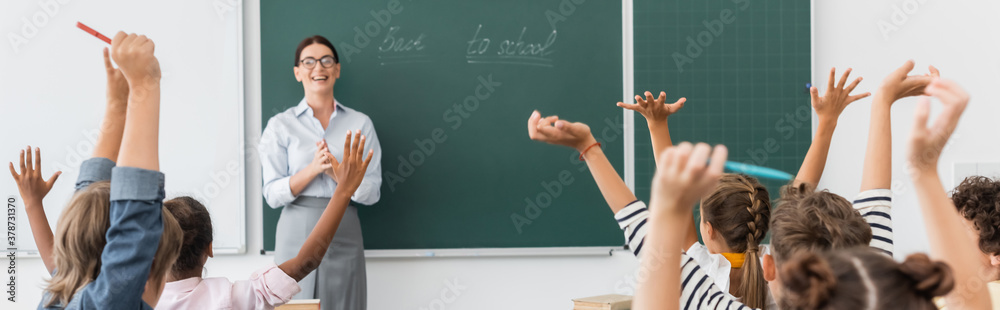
958	36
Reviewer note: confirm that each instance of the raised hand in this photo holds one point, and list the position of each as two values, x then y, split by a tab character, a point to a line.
927	142
350	171
30	183
684	175
552	130
134	56
829	106
899	84
117	84
654	110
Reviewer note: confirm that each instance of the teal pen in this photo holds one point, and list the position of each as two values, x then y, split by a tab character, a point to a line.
758	171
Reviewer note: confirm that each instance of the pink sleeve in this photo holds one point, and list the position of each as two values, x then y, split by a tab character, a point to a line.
267	288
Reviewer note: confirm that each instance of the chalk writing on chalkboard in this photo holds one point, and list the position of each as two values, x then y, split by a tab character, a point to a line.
514	52
400	48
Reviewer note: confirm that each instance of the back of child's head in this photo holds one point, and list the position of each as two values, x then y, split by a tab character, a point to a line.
861	278
978	200
740	211
80	238
196	223
815	221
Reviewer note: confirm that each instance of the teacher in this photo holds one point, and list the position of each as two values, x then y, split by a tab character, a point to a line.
298	178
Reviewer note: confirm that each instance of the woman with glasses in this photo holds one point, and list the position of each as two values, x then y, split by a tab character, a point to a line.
298	176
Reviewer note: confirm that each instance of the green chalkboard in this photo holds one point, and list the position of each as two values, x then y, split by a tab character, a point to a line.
458	168
743	66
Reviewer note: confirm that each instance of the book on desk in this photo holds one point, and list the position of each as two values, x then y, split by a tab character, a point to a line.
603	302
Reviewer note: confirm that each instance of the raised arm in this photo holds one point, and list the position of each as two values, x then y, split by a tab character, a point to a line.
877	172
656	112
945	230
828	108
113	125
137	186
140	141
109	140
552	130
349	174
32	189
682	178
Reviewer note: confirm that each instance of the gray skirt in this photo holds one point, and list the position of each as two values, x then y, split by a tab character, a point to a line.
339	282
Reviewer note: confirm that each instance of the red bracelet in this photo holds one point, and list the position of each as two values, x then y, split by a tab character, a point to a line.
588	148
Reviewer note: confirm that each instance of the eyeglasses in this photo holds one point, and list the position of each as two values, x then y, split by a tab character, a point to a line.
326	61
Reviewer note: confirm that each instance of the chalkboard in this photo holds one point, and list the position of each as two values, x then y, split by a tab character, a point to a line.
449	86
743	66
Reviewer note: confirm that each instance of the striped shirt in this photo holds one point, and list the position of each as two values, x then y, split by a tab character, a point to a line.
698	291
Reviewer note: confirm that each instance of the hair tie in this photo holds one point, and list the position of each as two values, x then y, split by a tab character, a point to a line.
735	259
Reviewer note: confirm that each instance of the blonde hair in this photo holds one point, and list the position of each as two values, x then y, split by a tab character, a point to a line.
167	252
740	210
79	241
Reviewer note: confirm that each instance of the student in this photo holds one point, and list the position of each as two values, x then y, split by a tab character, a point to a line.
681	179
861	278
273	285
734	216
977	199
948	236
739	193
114	243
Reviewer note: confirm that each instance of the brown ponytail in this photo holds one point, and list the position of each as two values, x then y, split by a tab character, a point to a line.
808	281
930	278
740	209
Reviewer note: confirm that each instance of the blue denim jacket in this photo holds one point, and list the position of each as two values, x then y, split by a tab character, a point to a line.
132	238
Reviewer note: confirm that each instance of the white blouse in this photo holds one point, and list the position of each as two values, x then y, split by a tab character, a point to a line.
289	142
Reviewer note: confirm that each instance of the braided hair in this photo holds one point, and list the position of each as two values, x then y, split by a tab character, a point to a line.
740	210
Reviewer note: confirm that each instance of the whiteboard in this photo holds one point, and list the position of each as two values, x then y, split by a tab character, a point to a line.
52	95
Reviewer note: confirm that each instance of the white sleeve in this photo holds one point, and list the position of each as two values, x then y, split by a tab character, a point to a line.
273	154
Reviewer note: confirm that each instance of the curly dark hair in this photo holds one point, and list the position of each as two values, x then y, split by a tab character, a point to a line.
978	200
196	223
